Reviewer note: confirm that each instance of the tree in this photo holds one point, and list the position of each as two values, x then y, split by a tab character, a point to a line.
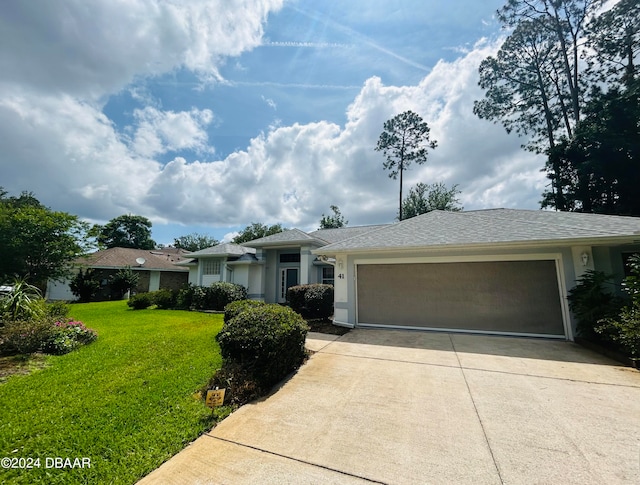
195	242
257	230
425	198
37	243
405	139
123	281
126	231
333	221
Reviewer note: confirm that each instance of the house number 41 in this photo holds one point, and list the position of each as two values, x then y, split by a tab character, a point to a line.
341	276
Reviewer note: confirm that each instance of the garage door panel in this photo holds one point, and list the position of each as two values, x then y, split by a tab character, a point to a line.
503	296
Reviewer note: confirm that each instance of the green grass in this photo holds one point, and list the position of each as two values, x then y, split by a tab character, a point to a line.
125	401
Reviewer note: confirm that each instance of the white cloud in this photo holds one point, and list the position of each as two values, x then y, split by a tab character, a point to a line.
162	131
66	46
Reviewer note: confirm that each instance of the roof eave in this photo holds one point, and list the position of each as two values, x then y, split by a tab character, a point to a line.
593	241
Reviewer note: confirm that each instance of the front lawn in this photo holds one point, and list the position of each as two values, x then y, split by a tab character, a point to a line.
125	402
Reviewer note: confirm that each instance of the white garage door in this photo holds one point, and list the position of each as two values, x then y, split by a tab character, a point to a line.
516	297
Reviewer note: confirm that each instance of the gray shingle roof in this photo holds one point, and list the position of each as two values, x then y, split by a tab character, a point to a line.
288	236
493	226
331	236
227	249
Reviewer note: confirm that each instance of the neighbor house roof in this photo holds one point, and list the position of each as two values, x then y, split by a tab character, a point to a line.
115	258
288	237
227	249
491	227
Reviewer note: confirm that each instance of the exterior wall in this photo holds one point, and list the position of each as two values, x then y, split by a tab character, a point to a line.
255	290
173	280
194	278
154	280
59	290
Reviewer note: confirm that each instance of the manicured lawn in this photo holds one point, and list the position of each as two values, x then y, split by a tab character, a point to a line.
125	401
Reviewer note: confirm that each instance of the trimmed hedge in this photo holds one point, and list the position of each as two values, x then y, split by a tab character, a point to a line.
140	301
234	308
266	340
311	301
214	297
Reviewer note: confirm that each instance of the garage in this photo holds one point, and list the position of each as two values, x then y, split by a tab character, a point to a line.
511	297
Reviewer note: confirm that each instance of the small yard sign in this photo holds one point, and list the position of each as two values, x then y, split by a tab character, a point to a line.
215	397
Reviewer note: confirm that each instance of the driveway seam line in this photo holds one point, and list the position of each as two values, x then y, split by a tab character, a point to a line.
295	459
480	370
475	408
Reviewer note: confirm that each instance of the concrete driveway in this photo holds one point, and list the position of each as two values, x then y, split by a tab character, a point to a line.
399	407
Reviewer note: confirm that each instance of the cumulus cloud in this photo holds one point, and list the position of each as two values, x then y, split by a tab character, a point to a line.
159	132
69	47
59	143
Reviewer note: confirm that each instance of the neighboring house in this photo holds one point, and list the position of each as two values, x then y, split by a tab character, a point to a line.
156	269
268	266
499	271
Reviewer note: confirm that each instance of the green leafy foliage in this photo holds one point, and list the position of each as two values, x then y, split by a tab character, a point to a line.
333	221
24	302
67	336
624	329
124	280
267	341
164	299
217	296
234	308
140	301
125	231
256	230
42	243
425	198
592	300
312	300
85	285
195	242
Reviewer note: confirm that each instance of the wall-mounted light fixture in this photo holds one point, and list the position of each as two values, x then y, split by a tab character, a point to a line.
585	258
340	263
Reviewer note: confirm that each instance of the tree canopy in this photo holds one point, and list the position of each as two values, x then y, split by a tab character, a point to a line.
37	243
566	77
125	231
425	198
257	230
333	221
195	242
405	140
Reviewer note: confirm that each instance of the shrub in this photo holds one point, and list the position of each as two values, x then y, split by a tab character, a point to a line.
591	301
236	307
267	341
184	299
164	299
311	301
85	285
624	329
58	310
67	336
23	303
25	336
140	301
217	296
124	280
295	297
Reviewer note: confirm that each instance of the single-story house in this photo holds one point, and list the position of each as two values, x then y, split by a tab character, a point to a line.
156	269
268	266
498	271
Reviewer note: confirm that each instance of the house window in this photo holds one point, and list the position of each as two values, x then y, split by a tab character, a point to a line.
290	258
328	275
211	266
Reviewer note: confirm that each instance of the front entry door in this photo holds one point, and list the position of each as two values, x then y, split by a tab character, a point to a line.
288	278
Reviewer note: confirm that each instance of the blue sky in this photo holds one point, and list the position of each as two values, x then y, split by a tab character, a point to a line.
207	116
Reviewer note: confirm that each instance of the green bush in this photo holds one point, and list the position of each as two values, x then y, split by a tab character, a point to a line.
85	285
140	301
58	310
67	336
164	299
236	307
23	303
267	341
295	297
25	336
311	301
217	296
624	328
184	298
592	300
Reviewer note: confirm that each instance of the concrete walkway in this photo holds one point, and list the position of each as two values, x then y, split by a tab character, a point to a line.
399	407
